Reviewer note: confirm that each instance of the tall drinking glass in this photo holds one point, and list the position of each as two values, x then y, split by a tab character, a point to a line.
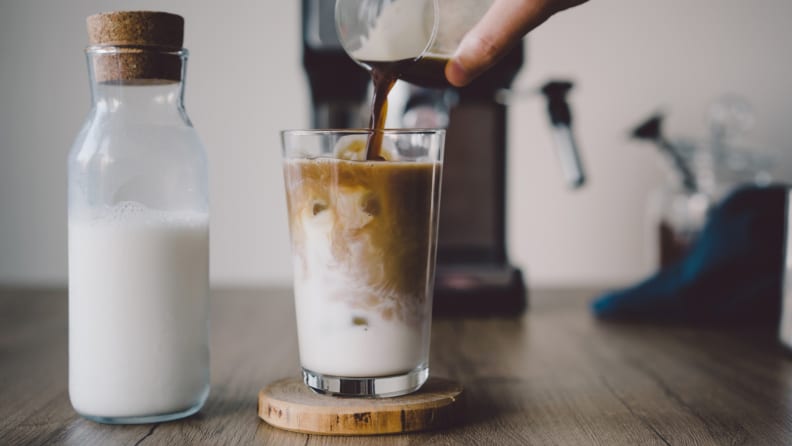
364	237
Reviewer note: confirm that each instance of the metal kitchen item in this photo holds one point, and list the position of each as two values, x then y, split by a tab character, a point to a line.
703	172
785	328
651	130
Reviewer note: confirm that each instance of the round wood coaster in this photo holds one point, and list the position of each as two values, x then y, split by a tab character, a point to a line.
289	404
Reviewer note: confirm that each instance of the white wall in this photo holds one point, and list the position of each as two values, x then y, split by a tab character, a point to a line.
629	57
245	83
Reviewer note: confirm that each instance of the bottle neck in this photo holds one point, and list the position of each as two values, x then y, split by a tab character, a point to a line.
143	98
142	83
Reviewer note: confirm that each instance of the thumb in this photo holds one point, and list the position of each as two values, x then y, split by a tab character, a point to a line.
501	27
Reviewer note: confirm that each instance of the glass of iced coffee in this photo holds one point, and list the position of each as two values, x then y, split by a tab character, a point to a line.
364	237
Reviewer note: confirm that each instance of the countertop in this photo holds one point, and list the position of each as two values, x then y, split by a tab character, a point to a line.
553	376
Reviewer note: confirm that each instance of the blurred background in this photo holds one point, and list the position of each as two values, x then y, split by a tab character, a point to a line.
245	82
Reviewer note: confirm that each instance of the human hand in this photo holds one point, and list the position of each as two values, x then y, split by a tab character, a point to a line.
504	24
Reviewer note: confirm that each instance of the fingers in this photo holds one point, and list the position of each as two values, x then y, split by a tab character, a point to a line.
501	27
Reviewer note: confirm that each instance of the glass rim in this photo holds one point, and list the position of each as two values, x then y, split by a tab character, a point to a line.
121	49
362	131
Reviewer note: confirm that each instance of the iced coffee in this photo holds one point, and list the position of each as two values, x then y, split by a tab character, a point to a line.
363	237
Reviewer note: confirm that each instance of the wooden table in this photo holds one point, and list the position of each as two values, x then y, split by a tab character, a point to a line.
554	376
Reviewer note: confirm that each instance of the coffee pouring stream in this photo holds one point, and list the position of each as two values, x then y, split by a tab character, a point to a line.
474	275
413	40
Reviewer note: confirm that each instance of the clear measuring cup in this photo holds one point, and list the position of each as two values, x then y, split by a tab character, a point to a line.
401	30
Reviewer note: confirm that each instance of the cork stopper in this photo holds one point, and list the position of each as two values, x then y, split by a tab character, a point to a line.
137	47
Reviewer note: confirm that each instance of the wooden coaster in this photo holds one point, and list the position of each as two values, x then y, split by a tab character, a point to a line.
289	404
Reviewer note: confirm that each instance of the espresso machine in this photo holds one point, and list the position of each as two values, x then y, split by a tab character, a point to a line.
474	275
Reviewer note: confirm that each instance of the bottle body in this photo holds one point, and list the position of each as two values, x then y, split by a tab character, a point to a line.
138	257
675	219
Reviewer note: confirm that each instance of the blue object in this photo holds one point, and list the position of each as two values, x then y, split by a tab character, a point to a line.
732	274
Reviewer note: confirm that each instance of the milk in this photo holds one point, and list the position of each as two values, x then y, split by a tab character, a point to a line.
407	29
363	246
327	294
138	311
402	31
330	343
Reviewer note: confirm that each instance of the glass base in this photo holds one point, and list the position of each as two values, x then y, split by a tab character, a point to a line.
380	386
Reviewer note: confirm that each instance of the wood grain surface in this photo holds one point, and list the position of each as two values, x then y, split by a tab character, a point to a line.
289	404
553	376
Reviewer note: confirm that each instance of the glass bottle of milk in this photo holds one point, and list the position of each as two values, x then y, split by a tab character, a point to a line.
138	218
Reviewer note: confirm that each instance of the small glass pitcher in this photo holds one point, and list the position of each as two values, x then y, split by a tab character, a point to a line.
397	30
